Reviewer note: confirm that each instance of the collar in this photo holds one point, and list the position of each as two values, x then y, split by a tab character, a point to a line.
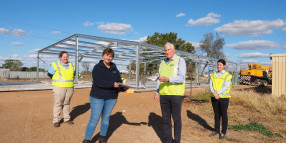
174	57
222	72
112	65
63	64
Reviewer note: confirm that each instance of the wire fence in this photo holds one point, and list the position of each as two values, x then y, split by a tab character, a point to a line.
6	73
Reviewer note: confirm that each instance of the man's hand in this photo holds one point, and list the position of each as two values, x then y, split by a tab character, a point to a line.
116	85
163	79
157	97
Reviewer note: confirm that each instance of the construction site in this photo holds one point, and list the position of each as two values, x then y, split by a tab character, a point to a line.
26	106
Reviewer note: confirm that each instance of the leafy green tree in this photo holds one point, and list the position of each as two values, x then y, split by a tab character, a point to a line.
12	64
212	47
24	69
160	40
35	69
179	44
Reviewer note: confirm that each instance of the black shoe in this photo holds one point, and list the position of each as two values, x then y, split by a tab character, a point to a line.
102	139
213	133
222	136
86	141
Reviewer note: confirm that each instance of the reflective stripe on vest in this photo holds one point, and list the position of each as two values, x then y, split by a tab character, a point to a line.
170	70
218	83
63	80
63	77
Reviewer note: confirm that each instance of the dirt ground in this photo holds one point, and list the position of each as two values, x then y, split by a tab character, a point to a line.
26	117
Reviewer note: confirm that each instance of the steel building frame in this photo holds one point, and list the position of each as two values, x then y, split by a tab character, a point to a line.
126	52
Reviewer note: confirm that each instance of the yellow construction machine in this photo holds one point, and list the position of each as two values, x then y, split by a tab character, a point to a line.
256	75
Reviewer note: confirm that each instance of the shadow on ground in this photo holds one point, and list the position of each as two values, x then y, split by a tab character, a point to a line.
199	120
78	110
116	120
155	121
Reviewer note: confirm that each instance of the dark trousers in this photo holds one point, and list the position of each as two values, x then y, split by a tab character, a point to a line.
220	110
171	105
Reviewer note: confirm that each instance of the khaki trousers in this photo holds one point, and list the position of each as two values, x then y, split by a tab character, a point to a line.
62	97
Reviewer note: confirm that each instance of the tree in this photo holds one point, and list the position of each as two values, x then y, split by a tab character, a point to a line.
213	48
33	69
24	69
160	40
12	64
179	44
86	66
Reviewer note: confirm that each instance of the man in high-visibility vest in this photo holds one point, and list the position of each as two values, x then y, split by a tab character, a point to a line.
170	92
62	74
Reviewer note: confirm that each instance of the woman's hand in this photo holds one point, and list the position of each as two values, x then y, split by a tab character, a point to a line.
116	85
216	95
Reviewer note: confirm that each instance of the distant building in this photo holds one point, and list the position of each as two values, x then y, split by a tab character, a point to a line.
124	71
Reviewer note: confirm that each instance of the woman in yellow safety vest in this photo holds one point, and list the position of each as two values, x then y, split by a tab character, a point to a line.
62	74
220	85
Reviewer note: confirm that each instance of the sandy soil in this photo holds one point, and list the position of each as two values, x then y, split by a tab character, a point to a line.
27	117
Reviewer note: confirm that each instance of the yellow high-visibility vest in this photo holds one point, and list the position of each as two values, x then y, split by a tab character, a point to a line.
63	77
123	80
170	70
218	83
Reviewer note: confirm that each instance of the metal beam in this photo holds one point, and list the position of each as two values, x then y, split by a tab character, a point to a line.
57	43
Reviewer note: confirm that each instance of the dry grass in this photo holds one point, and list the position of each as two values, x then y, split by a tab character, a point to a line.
204	79
264	103
3	79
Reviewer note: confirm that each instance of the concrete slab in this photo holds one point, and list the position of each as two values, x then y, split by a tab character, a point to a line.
47	85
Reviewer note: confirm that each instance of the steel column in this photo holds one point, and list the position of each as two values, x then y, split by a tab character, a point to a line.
76	60
37	76
137	65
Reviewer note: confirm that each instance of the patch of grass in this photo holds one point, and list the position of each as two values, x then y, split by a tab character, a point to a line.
203	95
262	103
256	127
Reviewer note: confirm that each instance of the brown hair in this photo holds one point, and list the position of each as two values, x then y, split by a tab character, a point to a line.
63	52
108	51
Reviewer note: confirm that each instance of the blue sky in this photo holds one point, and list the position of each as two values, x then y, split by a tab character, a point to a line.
252	28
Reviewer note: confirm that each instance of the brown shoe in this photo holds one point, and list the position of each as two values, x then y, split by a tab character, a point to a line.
69	122
57	124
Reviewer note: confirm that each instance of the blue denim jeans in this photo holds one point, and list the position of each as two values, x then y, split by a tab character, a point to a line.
99	107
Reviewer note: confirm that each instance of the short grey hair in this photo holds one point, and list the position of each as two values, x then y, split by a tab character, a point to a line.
169	44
